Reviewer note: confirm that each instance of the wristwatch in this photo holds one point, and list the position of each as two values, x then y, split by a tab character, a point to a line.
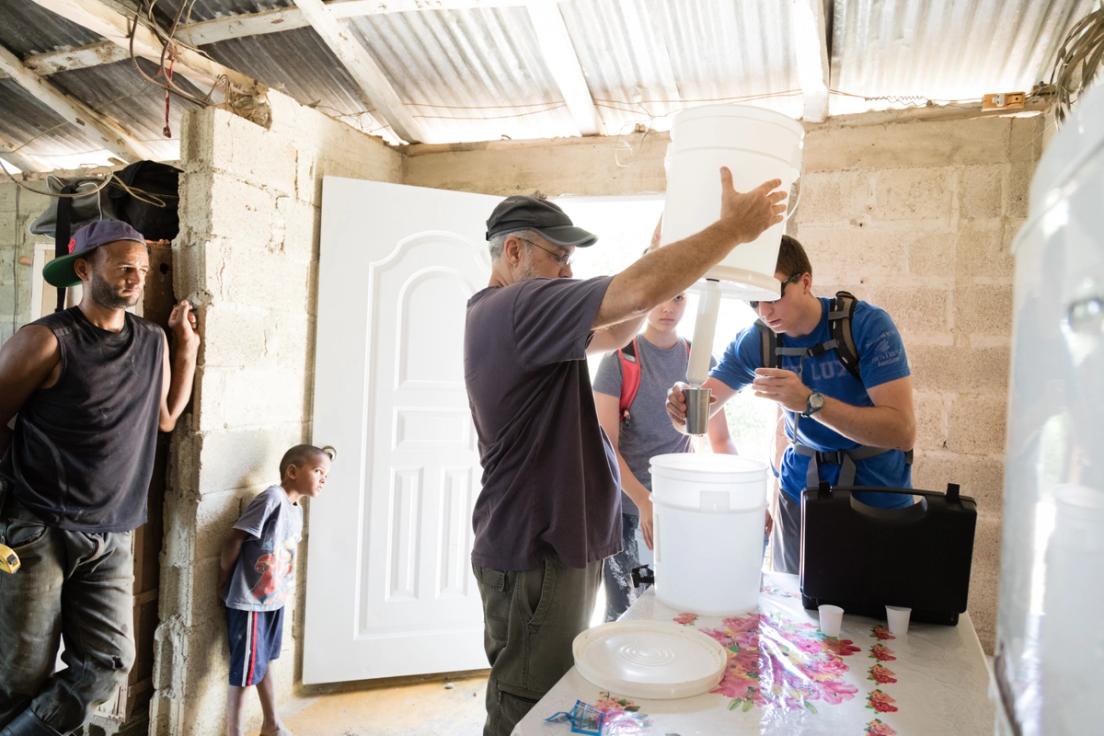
813	404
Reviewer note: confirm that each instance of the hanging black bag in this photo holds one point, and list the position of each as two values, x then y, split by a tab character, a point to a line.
145	194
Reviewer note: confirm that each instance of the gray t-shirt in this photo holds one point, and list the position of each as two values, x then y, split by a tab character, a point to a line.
550	479
264	575
648	430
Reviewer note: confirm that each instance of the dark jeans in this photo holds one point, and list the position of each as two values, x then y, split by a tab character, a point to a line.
620	591
530	619
71	586
785	538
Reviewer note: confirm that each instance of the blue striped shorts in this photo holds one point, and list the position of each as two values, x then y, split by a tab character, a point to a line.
254	638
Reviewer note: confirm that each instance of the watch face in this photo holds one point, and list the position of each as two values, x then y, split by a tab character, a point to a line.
814	404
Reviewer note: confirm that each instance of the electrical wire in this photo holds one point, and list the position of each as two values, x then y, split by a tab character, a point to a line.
1079	59
169	45
142	195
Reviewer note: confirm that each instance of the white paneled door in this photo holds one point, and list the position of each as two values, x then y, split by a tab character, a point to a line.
389	585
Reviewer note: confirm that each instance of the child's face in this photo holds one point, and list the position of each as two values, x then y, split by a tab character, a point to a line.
666	316
309	478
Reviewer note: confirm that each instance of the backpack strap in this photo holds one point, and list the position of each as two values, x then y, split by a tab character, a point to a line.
839	323
630	377
631	366
768	346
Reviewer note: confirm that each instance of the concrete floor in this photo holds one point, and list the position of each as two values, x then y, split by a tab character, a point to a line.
411	707
435	708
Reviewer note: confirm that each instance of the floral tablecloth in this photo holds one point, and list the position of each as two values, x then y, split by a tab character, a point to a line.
784	676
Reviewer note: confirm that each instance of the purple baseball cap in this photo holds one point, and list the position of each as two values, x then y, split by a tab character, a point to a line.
59	272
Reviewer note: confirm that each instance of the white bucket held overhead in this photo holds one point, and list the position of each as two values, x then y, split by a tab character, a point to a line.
756	145
708	531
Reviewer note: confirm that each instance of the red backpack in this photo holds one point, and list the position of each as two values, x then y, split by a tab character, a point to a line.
630	375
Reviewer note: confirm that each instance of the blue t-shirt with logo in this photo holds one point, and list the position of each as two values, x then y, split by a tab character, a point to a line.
881	359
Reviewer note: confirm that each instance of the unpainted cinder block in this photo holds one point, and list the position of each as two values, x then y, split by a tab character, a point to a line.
976	424
912	194
931	419
234	335
861	255
983	309
235	398
236	460
913	310
983	251
833	197
981	190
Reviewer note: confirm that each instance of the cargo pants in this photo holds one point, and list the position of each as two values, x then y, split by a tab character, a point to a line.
530	619
71	586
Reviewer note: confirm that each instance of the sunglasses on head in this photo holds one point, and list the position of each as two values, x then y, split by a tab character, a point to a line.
781	291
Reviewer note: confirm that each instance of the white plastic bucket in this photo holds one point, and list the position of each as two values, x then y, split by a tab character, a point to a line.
756	145
708	533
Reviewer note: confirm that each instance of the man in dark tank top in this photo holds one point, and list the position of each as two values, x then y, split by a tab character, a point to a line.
89	387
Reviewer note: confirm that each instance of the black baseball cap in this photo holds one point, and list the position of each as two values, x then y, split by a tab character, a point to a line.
59	272
529	213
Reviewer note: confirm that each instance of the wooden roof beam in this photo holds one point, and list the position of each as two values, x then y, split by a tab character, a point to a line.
98	128
242	25
376	89
10	155
810	36
103	18
563	63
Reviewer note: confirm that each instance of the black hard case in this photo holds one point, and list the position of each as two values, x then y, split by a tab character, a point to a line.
863	558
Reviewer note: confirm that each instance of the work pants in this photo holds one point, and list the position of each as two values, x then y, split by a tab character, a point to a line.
530	619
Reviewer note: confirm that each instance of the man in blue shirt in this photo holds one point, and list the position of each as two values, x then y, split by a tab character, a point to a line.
843	429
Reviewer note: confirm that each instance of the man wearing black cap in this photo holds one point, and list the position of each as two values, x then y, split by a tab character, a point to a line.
549	510
91	386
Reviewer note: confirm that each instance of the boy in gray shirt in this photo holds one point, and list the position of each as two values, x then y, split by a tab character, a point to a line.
257	576
640	430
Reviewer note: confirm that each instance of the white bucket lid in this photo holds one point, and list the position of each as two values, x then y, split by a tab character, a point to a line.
705	467
657	660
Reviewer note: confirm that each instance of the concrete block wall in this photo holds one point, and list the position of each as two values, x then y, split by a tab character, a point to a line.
914	211
918	218
18	209
247	255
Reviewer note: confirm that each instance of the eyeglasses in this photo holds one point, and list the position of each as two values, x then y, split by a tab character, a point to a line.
781	291
561	257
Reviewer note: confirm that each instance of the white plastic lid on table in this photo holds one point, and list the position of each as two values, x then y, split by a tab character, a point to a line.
656	660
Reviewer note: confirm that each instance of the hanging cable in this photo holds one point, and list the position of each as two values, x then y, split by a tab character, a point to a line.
1079	59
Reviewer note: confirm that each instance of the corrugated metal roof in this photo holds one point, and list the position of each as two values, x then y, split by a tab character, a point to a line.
28	29
478	73
40	133
944	49
299	64
473	74
644	60
137	104
166	10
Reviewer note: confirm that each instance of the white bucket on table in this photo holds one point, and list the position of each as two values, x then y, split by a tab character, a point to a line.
708	531
756	145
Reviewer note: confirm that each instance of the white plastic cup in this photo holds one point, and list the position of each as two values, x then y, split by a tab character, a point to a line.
831	618
898	619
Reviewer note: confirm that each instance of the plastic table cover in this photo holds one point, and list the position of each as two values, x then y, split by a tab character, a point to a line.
784	676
